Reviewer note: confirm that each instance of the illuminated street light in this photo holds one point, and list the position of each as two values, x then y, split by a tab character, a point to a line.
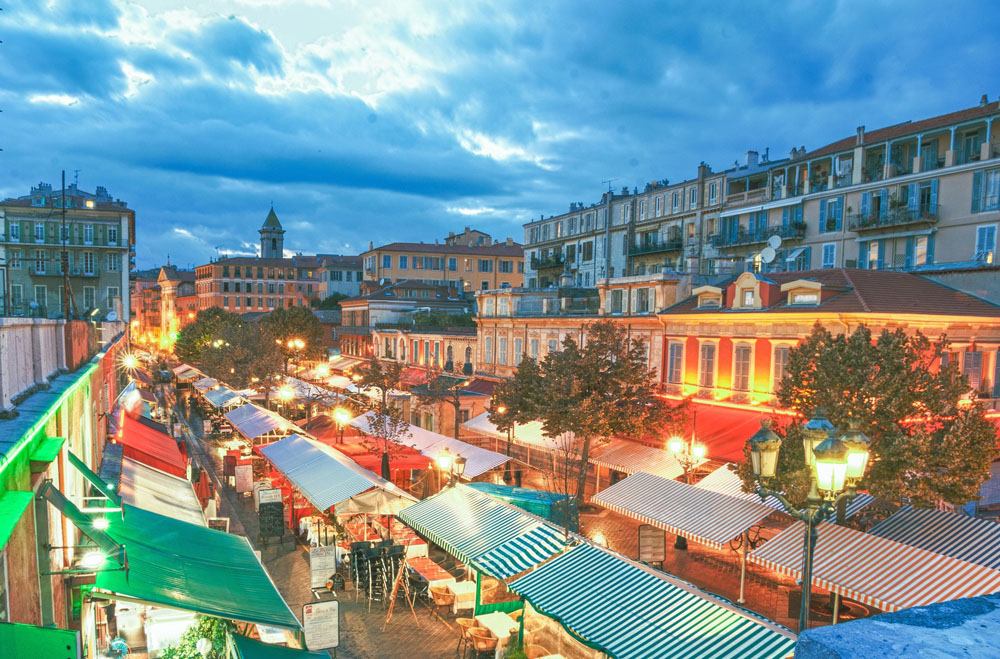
286	393
100	523
93	560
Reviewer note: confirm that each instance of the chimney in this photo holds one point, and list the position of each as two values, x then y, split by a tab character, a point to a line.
983	101
793	154
468	229
451	234
751	160
704	170
371	245
510	241
861	136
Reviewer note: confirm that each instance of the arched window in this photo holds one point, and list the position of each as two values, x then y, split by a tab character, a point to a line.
402	350
449	354
468	355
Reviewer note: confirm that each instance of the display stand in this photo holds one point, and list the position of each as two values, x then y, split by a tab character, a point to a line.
406	596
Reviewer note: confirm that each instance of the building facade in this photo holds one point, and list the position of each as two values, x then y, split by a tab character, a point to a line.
339	274
99	241
479	267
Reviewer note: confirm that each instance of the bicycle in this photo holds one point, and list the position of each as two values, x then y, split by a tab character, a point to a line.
752	536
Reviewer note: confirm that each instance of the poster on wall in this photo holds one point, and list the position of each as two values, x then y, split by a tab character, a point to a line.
322	624
244	478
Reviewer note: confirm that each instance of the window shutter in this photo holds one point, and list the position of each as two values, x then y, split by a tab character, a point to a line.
909	252
881	254
840	213
865	203
977	186
996	375
807	259
822	215
883	207
934	196
913	201
930	249
784	216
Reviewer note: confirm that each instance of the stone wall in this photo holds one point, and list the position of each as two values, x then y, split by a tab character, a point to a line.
31	351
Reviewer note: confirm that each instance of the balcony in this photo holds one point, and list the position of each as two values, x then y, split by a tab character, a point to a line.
428	329
926	215
547	262
653	246
354	330
796	230
755	196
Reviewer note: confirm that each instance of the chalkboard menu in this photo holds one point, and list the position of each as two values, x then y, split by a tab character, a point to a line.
271	516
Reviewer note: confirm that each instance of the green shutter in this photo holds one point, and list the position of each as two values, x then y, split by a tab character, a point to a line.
822	215
977	186
930	249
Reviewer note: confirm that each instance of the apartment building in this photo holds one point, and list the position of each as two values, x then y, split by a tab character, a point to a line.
448	349
919	195
339	274
247	283
661	228
477	267
98	238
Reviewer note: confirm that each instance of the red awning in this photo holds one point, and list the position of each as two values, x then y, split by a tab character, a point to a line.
402	458
151	447
481	386
725	430
413	376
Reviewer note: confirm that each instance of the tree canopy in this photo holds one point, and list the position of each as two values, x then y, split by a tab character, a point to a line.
330	302
202	332
284	325
931	441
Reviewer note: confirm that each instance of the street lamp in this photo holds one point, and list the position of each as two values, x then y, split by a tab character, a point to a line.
829	461
688	454
454	466
342	417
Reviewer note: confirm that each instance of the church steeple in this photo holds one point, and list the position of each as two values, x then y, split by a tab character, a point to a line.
272	237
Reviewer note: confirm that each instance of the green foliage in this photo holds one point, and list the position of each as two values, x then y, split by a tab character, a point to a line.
387	423
331	302
926	445
243	354
518	397
442	319
202	332
380	375
213	629
295	323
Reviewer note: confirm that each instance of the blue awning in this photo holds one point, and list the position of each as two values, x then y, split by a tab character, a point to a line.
632	612
467	523
966	538
325	476
523	552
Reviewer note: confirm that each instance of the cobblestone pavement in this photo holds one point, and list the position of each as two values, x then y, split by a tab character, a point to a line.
361	634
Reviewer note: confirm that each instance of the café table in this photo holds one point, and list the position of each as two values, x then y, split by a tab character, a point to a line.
465	595
433	573
500	625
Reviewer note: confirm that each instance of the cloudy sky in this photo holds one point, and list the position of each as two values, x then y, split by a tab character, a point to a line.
401	120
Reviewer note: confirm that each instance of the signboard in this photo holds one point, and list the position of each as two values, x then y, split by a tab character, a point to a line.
269	495
244	478
271	519
206	427
322	624
219	523
652	544
322	565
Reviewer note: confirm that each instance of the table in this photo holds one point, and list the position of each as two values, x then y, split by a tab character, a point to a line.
433	573
404	535
501	625
465	595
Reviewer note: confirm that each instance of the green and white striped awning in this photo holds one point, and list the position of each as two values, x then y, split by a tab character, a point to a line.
522	552
631	612
467	523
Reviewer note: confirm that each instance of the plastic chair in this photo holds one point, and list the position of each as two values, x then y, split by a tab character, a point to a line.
464	625
484	644
535	651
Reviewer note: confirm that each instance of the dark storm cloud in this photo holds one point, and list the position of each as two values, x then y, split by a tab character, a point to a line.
200	120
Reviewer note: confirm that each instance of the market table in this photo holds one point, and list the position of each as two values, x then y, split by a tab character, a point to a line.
465	595
500	625
404	535
433	573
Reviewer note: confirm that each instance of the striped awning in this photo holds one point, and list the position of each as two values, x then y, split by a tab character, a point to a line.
629	457
632	612
253	421
689	511
205	384
876	571
223	397
522	552
465	522
966	538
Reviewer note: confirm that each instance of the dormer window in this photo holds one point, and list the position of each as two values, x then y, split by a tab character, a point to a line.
803	292
805	298
746	295
708	297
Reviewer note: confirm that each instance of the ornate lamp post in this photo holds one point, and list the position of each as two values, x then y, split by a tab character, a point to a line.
342	417
833	476
688	454
454	466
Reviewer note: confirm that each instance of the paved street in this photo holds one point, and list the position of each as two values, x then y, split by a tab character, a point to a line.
288	564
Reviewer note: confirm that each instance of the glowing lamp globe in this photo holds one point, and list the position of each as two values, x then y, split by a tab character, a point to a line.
831	464
764	447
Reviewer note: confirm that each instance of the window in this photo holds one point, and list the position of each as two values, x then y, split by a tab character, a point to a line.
553	345
41	296
468	265
674	202
484	285
642	209
588	251
506	266
249	302
225	301
616	301
387	261
871	254
403	261
40	259
626	212
642	300
15	231
225	271
741	368
713	192
502	351
15	258
706	366
488	350
89	297
986	243
692	197
831	214
113	237
746	297
572	225
115	263
533	349
829	255
16	294
488	306
986	191
39	232
518	351
113	293
972	368
485	265
504	307
559	229
452	264
338	275
780	365
675	363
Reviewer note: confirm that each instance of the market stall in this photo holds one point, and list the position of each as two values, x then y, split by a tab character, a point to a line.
145	443
159	492
627	457
258	425
965	538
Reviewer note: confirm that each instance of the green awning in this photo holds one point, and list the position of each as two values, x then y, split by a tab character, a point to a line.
81	521
13	503
179	565
249	648
19	640
46	451
106	489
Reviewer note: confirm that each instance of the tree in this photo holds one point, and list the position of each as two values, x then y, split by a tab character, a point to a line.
330	302
242	354
297	323
516	401
931	441
202	332
387	423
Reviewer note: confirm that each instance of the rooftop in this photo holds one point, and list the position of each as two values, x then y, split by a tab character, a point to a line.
496	249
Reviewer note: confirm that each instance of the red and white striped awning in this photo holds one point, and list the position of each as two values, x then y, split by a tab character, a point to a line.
695	513
876	571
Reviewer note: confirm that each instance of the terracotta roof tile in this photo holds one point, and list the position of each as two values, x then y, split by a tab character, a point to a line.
498	249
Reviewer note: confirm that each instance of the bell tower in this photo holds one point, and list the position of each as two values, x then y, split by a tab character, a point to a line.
272	237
